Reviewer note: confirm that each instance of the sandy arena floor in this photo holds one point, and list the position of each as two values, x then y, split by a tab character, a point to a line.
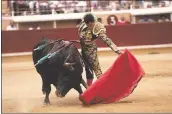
21	87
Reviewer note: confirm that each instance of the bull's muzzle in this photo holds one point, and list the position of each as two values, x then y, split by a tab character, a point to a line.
58	94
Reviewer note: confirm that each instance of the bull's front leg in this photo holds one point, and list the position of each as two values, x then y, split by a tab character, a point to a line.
79	89
57	93
46	89
46	100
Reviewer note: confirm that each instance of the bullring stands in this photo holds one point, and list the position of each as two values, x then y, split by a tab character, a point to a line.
51	16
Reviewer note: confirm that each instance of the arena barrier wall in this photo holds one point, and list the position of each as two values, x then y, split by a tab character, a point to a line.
121	35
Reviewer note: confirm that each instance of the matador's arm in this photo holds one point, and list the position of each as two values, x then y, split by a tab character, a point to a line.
100	31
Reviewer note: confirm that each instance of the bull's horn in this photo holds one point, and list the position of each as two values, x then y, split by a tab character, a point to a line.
84	83
68	64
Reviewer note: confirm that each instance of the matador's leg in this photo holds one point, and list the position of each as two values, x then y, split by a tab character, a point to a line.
94	62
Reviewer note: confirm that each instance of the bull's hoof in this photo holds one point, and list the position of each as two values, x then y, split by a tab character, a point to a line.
43	92
46	102
58	94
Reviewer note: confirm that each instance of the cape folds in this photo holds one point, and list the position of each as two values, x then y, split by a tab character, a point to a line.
117	82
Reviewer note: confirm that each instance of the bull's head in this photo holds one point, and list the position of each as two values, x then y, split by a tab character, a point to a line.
64	84
69	65
70	76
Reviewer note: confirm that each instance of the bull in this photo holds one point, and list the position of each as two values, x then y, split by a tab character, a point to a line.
59	63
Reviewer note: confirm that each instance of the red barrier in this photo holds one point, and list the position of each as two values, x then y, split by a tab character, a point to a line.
122	35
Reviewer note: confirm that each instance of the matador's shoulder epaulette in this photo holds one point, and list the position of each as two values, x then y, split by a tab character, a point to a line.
98	28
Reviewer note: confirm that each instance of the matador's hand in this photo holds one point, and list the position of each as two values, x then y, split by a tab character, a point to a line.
119	52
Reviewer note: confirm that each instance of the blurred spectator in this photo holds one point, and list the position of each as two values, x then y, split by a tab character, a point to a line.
70	6
44	7
37	7
161	4
76	10
61	8
125	4
164	3
112	5
81	6
34	28
12	26
32	5
130	4
137	4
38	28
30	28
53	4
112	21
118	6
94	4
146	19
99	20
122	21
22	7
163	18
147	3
102	5
14	6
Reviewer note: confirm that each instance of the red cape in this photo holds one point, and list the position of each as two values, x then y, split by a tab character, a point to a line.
117	82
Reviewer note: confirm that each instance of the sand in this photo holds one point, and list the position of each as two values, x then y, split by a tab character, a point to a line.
21	87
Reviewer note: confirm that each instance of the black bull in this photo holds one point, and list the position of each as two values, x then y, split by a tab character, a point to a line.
59	63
